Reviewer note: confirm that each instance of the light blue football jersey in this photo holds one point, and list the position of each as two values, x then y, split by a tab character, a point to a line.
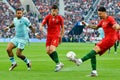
21	27
101	32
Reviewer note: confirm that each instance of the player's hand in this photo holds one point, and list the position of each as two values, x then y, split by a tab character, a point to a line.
6	29
84	23
38	36
41	27
60	40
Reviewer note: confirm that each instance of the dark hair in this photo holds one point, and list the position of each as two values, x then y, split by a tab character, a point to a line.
54	7
19	9
102	9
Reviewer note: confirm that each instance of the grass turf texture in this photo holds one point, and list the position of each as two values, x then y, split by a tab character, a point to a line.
108	65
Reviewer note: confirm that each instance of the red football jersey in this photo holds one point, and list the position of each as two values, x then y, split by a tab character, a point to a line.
53	24
107	24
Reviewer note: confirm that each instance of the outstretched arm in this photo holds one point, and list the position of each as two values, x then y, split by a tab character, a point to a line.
116	26
7	28
90	25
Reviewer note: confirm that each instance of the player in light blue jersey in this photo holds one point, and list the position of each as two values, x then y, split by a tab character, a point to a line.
20	39
101	33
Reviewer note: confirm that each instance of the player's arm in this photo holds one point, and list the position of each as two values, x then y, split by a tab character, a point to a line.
62	31
32	29
41	26
116	26
43	23
113	22
90	25
62	34
11	26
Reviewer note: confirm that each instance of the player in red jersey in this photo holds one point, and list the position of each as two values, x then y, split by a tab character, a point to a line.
110	28
55	31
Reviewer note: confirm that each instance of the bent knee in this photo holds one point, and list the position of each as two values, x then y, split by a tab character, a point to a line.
18	55
50	51
8	50
97	49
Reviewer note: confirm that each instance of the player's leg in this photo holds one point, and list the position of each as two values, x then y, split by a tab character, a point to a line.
51	50
115	47
93	64
52	43
9	49
117	43
24	58
109	51
50	53
53	53
91	54
20	48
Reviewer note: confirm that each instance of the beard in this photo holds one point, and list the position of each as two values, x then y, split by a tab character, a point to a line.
100	17
19	17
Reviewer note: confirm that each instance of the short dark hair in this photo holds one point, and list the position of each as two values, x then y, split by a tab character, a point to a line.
54	7
102	9
19	9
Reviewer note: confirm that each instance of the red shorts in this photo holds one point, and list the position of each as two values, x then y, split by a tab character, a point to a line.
52	40
105	44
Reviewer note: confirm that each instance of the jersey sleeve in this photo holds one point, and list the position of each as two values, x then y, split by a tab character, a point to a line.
27	22
111	20
99	24
45	20
62	21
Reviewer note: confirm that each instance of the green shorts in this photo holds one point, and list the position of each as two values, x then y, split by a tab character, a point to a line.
19	43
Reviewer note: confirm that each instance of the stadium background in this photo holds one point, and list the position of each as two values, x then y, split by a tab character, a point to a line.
72	11
108	66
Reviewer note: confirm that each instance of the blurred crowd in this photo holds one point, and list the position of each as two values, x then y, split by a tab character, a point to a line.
75	10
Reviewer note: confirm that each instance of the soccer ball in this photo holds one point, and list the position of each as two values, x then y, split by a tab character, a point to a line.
70	55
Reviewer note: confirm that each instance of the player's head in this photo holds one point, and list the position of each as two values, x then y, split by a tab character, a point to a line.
54	10
102	12
19	13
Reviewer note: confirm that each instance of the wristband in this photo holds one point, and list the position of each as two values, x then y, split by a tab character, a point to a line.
36	34
8	27
87	24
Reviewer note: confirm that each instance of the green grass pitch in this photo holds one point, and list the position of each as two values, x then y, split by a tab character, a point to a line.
108	65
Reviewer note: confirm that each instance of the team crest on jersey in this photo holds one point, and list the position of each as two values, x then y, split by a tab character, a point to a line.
104	23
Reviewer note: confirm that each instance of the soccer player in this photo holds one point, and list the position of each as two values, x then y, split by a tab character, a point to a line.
109	26
55	32
20	39
77	28
116	43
